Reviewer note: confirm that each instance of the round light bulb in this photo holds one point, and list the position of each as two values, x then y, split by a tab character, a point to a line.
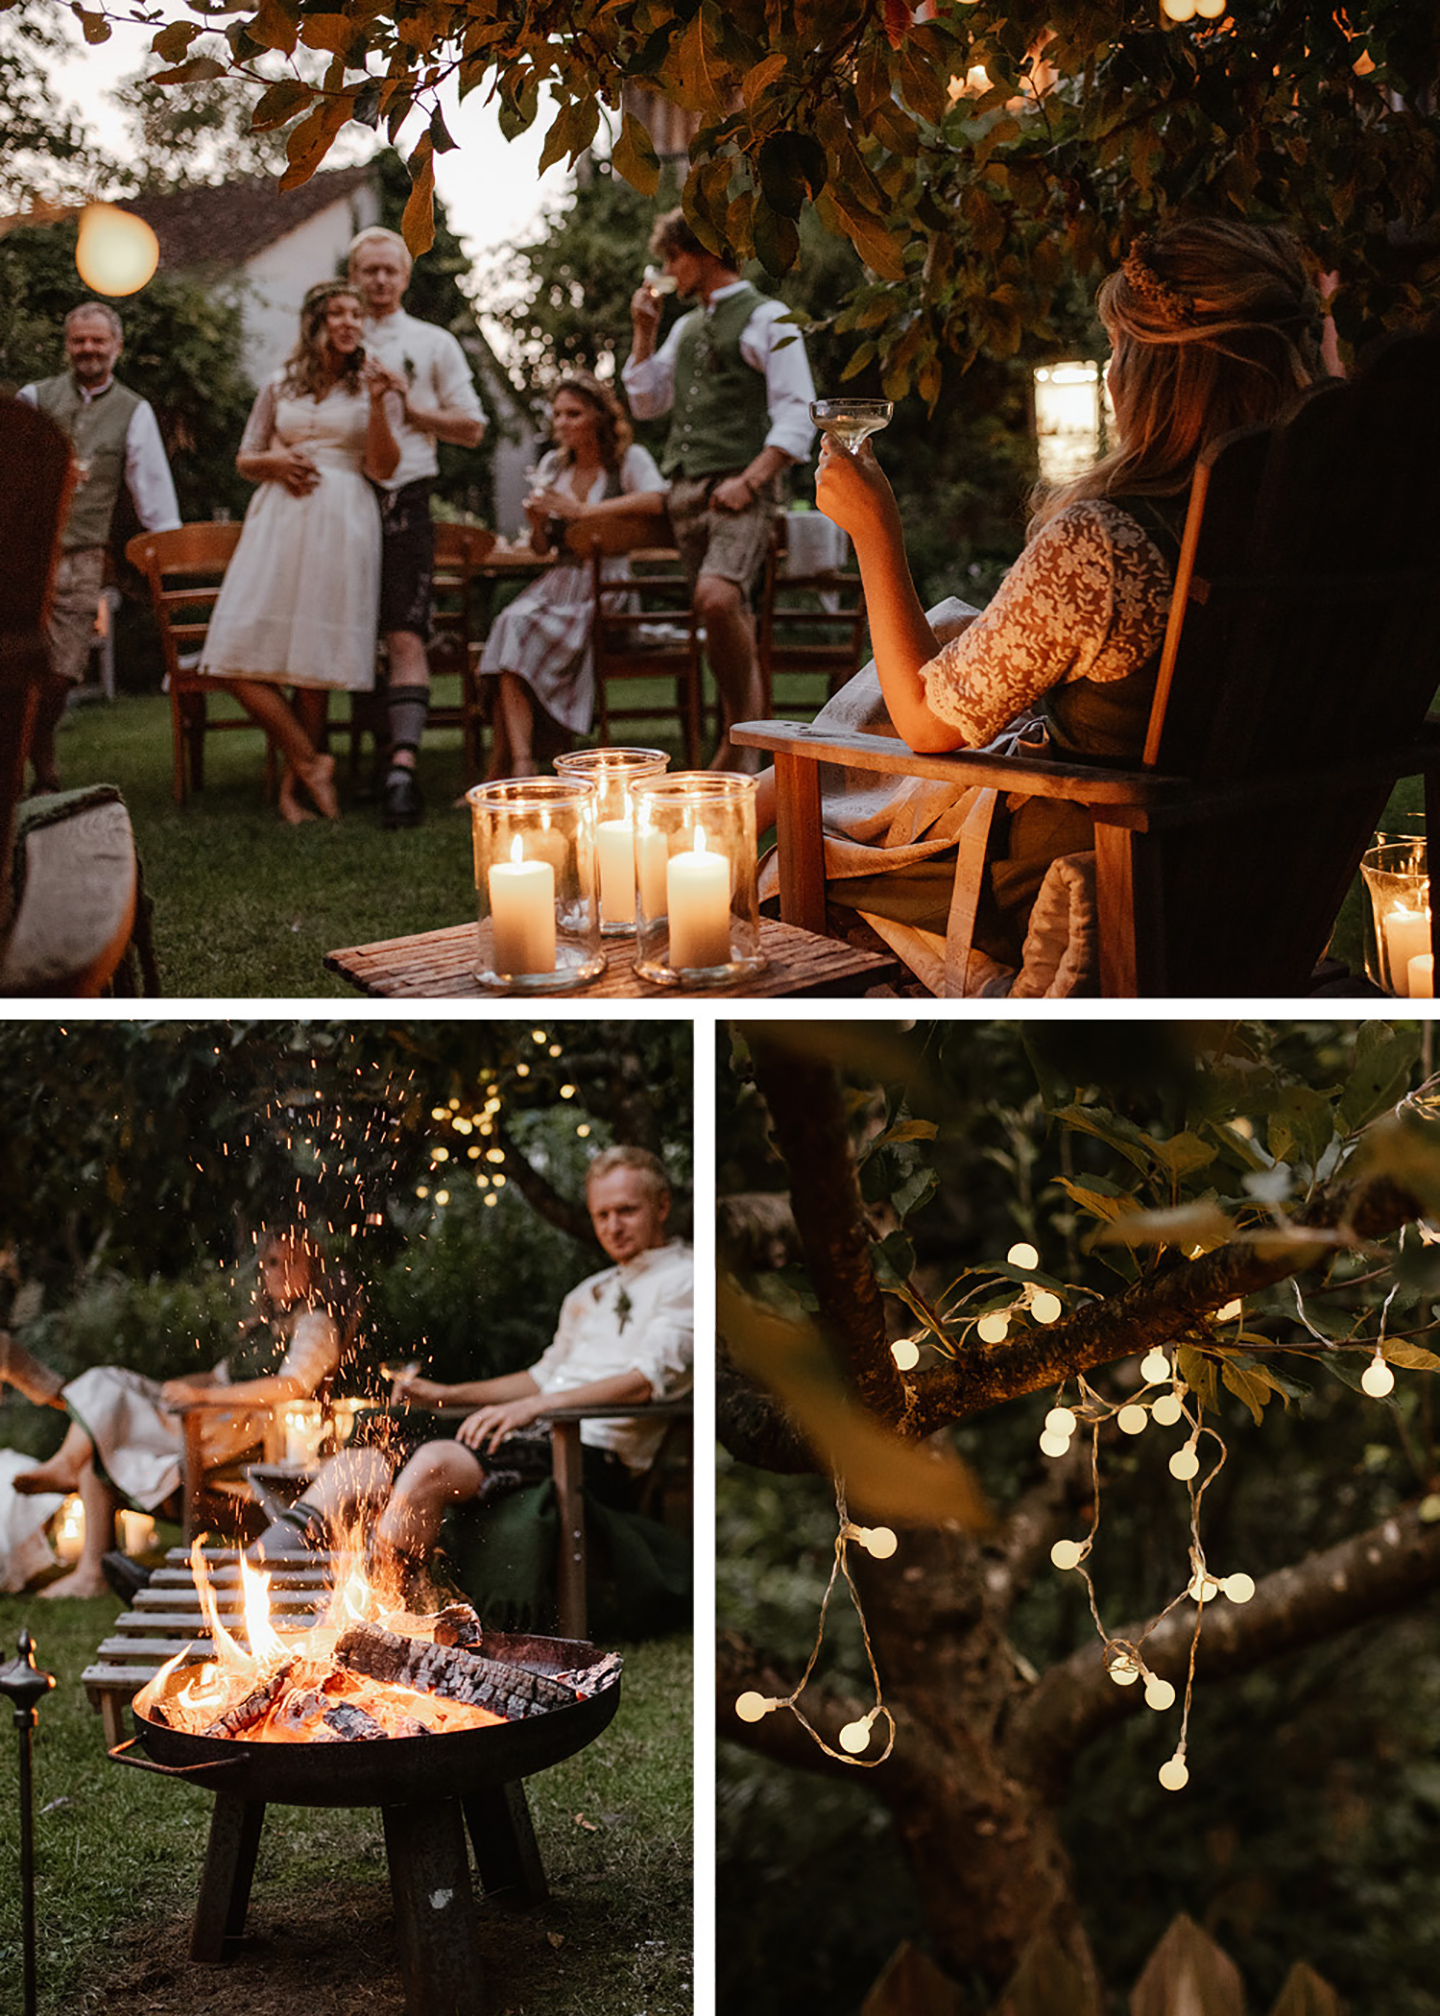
995	1327
1239	1588
1173	1775
1067	1554
1229	1312
1167	1410
1184	1464
1178	10
1054	1445
1377	1379
115	253
1159	1694
1203	1588
753	1707
1023	1255
1061	1421
855	1737
1133	1420
1154	1367
1123	1670
880	1542
1045	1307
906	1354
1211	9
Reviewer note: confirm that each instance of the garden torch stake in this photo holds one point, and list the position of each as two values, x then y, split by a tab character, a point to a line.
26	1687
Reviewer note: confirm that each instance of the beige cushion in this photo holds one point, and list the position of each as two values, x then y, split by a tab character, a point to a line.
76	886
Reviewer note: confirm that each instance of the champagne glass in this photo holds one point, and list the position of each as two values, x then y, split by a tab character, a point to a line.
659	281
851	421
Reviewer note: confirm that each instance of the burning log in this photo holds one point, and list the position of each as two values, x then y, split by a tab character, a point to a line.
587	1681
457	1624
451	1672
235	1721
353	1725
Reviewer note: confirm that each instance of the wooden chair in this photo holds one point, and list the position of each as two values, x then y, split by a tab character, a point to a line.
644	628
1299	661
811	620
183	570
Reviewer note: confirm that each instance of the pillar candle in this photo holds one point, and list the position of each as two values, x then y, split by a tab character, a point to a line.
615	847
1420	975
522	914
651	856
697	897
1406	933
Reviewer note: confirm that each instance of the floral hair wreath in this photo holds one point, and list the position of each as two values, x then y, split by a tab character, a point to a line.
1159	296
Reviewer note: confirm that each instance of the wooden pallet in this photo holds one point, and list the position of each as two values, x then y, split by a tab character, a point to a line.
442	963
166	1618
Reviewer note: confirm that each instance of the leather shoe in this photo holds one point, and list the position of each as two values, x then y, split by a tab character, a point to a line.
403	803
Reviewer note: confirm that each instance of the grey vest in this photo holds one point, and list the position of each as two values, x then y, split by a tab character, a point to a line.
721	413
97	429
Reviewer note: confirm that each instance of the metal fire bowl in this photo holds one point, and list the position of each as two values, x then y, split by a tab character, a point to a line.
398	1769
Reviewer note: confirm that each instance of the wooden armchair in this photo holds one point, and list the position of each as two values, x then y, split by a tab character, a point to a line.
644	628
183	570
1299	662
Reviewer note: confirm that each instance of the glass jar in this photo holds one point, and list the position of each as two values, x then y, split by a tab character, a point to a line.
1397	917
696	909
613	772
535	884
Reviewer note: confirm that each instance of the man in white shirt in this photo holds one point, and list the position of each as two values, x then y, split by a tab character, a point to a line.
625	1338
428	369
735	379
114	439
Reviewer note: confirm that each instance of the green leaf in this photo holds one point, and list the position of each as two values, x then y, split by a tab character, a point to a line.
1105	1205
1121	1135
912	1194
1414	1357
1198	1372
1302	1126
634	156
1201	1223
777	241
1385	1060
894	1258
758	79
1183	1153
1250	1383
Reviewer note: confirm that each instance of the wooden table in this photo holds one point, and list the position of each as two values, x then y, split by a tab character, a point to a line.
435	964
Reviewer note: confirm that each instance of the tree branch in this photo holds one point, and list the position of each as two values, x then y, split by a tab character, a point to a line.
804	1098
1162	1306
754	1427
1360	1578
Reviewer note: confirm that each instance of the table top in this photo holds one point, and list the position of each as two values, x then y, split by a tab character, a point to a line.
436	964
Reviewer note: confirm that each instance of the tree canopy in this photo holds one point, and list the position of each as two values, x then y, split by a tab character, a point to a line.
978	153
1194	1240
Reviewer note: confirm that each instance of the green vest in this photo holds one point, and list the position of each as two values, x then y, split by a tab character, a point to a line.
721	413
97	428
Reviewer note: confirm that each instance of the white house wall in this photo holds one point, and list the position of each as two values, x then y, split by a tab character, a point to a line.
278	276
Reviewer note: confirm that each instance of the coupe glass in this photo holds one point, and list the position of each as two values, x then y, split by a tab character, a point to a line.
851	421
658	281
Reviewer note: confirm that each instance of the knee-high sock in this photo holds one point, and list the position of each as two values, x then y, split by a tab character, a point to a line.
407	707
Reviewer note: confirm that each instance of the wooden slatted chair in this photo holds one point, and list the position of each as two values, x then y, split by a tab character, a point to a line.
1299	662
811	620
183	570
645	628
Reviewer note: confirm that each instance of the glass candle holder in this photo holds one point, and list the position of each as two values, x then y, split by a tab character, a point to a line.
304	1424
697	918
535	884
613	772
1397	917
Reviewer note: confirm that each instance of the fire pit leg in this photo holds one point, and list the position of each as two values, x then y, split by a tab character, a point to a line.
225	1883
506	1853
434	1909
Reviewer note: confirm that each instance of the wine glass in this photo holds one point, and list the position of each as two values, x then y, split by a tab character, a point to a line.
659	281
851	421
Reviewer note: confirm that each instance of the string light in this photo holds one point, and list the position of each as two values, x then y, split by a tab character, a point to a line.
1173	1773
995	1327
1023	1256
906	1354
1377	1379
1133	1420
855	1736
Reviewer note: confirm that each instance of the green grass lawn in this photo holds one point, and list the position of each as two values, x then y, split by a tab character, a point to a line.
119	1854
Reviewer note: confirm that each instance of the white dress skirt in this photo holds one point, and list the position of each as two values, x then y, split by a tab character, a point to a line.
300	603
543	637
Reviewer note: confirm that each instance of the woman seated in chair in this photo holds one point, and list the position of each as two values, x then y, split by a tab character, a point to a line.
1213	326
300	604
539	648
125	1442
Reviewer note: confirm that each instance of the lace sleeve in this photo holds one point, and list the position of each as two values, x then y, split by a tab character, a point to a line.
1087	599
260	427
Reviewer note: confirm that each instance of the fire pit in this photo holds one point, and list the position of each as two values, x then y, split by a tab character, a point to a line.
301	1720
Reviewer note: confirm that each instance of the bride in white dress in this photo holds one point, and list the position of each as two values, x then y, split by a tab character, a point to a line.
300	601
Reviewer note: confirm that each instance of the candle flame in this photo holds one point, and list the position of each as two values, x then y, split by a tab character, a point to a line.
517	850
699	839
